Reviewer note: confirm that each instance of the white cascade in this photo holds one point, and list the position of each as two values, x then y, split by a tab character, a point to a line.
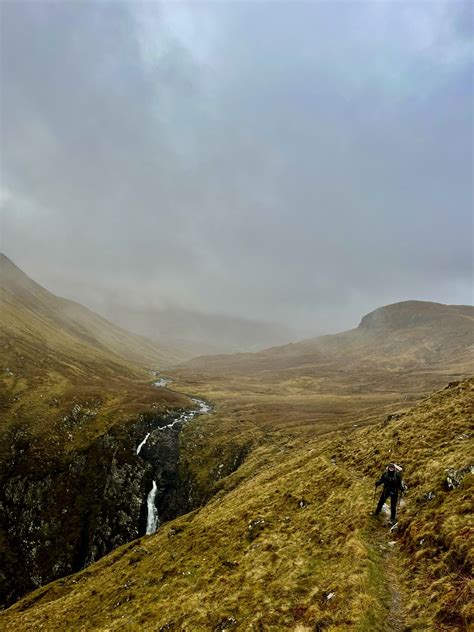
142	443
152	521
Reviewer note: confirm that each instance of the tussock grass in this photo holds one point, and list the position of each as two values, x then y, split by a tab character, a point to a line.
216	567
285	541
436	533
288	543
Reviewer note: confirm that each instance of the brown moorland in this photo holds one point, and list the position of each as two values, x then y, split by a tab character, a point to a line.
72	388
283	469
397	355
56	353
287	541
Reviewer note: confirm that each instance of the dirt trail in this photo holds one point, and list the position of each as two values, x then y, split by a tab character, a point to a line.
396	618
388	546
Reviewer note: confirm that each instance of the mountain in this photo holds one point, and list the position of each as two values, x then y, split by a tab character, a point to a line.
194	333
76	399
410	334
261	505
398	354
31	316
288	542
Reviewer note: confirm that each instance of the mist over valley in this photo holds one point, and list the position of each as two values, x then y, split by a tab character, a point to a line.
236	320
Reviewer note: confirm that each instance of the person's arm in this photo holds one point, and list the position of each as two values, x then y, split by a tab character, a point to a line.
381	480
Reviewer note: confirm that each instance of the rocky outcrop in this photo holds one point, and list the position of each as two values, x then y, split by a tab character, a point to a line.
66	515
454	477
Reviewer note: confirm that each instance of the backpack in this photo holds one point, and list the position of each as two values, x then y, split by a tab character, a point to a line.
399	471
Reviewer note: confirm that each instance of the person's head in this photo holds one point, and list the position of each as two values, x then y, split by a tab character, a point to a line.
391	467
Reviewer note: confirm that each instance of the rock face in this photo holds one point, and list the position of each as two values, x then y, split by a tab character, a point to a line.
76	510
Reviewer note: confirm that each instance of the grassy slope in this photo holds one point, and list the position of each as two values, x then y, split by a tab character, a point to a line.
290	528
54	364
32	314
56	354
67	377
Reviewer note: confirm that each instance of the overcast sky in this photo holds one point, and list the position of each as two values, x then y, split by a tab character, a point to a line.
297	162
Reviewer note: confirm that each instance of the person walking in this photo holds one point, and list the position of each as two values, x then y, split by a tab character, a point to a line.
393	486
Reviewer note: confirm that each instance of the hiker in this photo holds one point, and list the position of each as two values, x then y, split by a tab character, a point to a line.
393	485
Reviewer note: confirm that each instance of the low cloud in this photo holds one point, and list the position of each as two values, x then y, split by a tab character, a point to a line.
302	163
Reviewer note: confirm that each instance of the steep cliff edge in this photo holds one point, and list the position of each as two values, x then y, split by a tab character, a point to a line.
76	402
69	512
59	518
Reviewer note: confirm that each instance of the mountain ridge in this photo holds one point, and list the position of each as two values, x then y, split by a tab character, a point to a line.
410	312
76	399
75	413
45	309
413	333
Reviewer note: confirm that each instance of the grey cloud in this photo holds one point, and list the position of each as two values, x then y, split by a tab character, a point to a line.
297	162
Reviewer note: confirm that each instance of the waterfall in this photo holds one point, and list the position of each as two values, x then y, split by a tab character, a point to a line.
162	382
142	443
152	521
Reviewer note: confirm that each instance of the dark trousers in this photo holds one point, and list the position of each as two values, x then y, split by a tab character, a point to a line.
393	502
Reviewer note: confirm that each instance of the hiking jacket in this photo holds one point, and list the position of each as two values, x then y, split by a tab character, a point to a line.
392	483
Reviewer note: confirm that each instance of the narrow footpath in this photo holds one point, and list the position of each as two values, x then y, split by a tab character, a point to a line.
385	544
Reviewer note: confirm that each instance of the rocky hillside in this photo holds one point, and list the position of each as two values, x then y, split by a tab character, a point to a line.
288	542
75	402
276	520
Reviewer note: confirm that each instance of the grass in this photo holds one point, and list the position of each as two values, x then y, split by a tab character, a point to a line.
306	402
67	378
57	354
282	542
285	531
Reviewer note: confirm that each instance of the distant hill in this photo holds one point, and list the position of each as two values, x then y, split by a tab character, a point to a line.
191	333
32	318
56	353
407	334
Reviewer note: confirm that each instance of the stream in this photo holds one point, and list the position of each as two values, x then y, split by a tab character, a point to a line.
162	382
202	408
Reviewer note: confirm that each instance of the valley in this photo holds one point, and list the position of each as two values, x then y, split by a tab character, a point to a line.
347	379
255	470
236	316
77	396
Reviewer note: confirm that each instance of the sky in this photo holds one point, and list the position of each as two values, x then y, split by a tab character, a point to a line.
300	163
